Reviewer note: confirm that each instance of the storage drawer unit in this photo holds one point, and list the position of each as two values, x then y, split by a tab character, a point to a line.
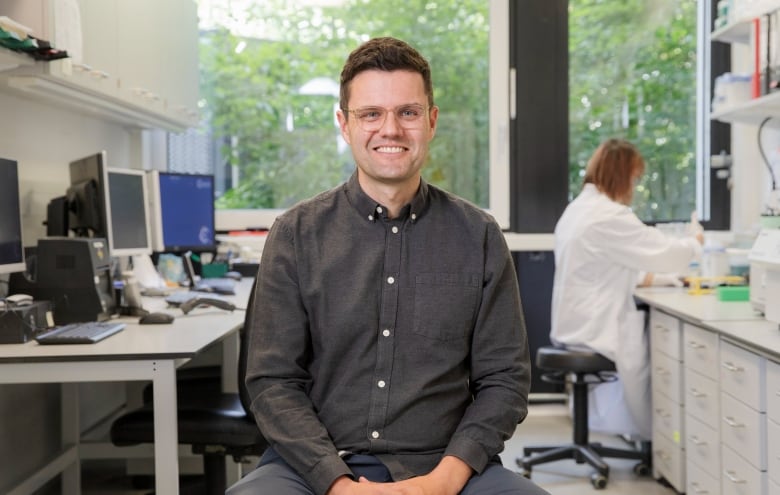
700	350
742	375
701	482
702	445
665	333
738	477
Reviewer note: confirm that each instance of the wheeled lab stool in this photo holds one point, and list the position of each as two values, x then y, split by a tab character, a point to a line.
583	368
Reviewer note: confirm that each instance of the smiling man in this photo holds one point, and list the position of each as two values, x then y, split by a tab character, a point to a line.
388	353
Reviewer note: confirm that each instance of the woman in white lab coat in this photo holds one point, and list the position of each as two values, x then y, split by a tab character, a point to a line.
602	252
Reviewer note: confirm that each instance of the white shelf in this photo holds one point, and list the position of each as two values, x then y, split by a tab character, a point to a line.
752	112
11	60
736	32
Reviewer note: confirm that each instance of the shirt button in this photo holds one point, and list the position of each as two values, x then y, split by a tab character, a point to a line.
375	434
371	218
379	209
414	216
381	383
395	230
386	332
390	280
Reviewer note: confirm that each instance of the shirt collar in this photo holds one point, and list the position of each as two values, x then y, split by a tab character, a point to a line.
370	210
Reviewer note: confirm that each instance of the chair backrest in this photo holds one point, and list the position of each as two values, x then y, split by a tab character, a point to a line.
243	351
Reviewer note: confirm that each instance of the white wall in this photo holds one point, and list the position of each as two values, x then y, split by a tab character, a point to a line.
44	140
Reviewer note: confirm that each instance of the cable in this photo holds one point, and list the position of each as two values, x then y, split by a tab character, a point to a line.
763	155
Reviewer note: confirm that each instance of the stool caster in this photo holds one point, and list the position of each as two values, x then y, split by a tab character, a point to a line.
641	469
598	480
526	473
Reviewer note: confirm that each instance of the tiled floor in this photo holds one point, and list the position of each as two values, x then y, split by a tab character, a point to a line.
546	424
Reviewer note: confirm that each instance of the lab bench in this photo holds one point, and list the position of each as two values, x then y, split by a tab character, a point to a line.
715	368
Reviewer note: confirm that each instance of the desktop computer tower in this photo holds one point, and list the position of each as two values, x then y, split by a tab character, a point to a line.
74	275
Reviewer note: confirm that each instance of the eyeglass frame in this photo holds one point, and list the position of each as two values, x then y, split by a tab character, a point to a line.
424	109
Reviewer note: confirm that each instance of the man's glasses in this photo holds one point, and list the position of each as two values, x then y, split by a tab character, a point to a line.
371	119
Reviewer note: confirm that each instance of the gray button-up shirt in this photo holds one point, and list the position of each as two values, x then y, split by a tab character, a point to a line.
402	338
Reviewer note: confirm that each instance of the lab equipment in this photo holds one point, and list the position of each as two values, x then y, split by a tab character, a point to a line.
764	260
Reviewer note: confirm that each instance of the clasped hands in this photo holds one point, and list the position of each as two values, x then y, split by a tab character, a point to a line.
448	478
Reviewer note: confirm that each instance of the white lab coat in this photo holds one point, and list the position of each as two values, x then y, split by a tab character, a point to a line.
600	248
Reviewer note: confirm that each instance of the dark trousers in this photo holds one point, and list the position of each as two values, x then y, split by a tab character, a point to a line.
274	475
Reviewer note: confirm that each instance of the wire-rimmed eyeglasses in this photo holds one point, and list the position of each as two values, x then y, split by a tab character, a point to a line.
372	119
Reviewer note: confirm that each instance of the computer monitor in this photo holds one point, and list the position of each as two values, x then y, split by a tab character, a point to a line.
85	198
11	250
182	212
110	203
128	221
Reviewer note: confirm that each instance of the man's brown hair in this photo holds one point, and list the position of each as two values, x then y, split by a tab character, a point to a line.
387	54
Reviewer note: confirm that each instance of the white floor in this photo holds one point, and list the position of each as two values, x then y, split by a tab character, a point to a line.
545	424
550	424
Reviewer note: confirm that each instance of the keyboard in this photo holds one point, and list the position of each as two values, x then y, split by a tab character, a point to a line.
80	333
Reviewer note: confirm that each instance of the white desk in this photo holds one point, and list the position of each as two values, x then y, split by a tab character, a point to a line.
139	352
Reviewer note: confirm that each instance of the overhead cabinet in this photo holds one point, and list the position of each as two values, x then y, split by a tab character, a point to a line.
132	61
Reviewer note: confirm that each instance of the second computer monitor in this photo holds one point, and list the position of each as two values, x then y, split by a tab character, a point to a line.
128	225
182	212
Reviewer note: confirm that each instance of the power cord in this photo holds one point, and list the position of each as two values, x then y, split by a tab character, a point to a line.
764	157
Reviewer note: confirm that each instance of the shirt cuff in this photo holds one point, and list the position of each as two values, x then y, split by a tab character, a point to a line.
469	451
325	472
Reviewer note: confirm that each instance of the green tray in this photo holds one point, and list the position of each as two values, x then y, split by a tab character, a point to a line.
734	293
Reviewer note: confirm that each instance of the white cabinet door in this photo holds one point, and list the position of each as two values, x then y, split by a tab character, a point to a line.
158	55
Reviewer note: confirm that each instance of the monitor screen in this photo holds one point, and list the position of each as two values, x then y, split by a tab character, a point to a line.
11	250
182	212
128	225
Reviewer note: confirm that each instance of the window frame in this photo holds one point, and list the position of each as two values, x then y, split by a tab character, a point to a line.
499	156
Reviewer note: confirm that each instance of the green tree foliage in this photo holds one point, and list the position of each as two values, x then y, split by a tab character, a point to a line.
633	75
286	146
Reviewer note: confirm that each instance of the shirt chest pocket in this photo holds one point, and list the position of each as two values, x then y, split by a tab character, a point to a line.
445	304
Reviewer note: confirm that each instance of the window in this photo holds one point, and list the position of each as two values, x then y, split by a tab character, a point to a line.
269	89
633	74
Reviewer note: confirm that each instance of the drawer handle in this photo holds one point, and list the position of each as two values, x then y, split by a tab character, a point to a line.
662	413
661	328
732	476
697	394
663	455
732	367
697	488
694	345
662	371
697	441
730	421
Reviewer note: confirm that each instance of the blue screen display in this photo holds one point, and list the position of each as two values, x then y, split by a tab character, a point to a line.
187	207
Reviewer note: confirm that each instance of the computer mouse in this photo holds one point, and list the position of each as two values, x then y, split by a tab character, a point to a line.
233	274
156	318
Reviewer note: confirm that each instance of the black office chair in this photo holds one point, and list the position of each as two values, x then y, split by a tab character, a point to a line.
580	368
216	425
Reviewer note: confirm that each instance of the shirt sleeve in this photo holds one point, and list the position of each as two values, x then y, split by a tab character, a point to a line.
629	242
500	373
277	376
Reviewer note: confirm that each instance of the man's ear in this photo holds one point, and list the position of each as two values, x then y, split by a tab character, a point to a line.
343	125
